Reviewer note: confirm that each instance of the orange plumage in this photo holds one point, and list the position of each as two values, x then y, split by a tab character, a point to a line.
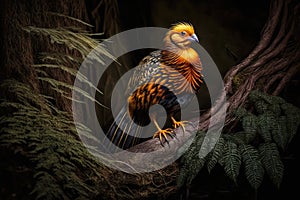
162	76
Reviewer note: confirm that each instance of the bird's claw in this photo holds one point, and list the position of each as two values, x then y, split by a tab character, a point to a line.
163	135
181	124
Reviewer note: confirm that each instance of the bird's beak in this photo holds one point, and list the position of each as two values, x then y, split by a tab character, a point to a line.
193	38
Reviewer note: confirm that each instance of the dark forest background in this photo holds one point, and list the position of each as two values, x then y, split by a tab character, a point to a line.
255	45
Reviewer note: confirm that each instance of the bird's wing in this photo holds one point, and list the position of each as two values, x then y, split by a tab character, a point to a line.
123	124
146	69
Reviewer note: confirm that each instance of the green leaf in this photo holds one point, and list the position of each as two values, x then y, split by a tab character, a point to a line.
244	137
216	154
256	95
260	106
275	108
192	162
293	119
279	134
253	167
194	147
232	160
266	123
194	167
241	112
271	161
190	170
250	123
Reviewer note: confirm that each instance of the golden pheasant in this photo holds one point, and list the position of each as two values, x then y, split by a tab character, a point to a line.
165	77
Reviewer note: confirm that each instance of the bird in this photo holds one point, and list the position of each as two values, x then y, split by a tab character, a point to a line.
169	77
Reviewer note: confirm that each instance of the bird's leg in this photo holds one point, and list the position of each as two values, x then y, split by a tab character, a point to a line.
162	133
176	124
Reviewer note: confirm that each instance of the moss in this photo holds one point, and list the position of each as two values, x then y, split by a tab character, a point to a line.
237	81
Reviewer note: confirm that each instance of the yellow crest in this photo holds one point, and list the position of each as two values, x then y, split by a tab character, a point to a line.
183	26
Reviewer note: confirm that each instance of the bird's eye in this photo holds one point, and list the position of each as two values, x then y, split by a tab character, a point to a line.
183	33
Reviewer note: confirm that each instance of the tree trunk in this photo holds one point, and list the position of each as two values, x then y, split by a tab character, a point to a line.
21	50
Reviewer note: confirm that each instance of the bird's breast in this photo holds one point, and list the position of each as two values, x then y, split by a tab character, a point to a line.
180	71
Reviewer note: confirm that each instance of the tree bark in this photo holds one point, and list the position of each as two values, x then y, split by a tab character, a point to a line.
21	50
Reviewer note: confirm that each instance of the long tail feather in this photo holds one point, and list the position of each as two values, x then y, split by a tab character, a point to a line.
121	131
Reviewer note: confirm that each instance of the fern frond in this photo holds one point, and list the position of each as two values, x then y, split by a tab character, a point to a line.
216	154
60	58
190	170
241	112
57	84
73	72
273	122
49	138
250	123
232	160
292	114
275	109
260	106
254	170
243	137
192	162
280	134
266	123
192	152
271	161
257	95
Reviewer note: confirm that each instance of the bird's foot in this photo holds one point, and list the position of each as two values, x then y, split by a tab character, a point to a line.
181	124
163	135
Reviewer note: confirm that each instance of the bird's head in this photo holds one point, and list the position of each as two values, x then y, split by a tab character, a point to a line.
181	35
